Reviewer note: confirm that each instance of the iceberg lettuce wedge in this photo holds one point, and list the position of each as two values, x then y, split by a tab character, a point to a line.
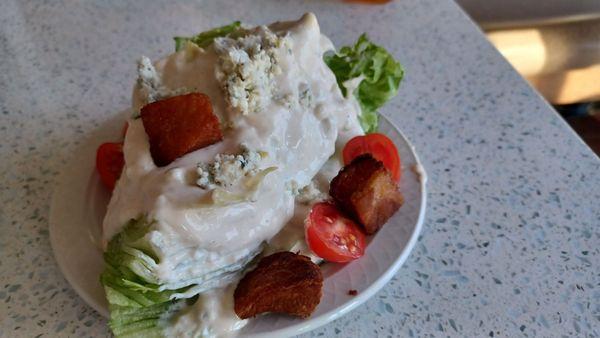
138	308
140	304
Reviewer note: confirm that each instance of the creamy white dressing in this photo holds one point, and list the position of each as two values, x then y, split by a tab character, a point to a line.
418	169
291	237
211	316
352	84
207	245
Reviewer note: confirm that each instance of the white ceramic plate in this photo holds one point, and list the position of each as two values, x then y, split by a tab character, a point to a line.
80	200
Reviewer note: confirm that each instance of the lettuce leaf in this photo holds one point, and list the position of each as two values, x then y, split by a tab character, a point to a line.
204	39
380	77
138	308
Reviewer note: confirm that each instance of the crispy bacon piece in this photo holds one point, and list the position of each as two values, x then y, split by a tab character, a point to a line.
179	125
365	190
283	282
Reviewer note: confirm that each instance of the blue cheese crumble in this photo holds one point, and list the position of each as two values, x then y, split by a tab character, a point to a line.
247	67
302	100
228	169
150	83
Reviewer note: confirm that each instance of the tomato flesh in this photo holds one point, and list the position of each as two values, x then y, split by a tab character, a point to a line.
109	163
332	236
379	146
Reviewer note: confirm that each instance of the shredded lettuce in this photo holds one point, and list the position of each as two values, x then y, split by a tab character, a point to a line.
204	39
380	73
137	305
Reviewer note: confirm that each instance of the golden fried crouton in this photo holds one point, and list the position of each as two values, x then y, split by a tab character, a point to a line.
179	125
365	190
283	282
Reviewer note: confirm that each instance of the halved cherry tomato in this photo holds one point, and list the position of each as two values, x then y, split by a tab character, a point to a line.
332	236
379	146
109	163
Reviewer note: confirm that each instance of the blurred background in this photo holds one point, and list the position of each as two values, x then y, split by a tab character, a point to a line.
555	45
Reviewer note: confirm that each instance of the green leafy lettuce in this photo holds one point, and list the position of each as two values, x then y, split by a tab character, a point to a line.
380	73
138	308
204	39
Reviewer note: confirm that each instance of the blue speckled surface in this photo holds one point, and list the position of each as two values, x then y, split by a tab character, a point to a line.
511	241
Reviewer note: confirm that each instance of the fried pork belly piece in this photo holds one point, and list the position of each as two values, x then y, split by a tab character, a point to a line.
283	282
365	190
179	125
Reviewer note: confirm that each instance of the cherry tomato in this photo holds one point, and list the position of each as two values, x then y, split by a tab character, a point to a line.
332	236
379	146
109	163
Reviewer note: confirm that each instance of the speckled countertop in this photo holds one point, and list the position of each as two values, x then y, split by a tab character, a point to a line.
511	240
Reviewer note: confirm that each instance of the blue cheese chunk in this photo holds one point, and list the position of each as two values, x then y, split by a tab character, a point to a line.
150	83
228	169
303	100
247	67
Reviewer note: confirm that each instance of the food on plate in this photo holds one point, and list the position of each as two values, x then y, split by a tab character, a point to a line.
370	73
179	125
332	236
365	190
109	163
379	146
283	282
227	161
204	39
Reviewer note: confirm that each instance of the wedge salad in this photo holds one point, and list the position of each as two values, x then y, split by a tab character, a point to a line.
251	156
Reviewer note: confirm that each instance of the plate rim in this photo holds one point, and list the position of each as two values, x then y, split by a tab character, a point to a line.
379	283
294	329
